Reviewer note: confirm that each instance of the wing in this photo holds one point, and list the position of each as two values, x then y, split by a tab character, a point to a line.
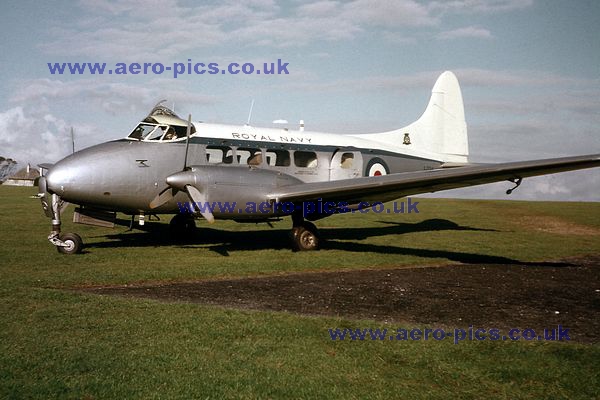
393	186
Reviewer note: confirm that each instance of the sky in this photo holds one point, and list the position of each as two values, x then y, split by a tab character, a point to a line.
529	72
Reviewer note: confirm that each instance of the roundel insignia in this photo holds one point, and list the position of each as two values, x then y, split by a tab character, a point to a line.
376	167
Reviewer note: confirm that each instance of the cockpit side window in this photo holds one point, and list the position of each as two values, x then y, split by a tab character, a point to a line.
141	131
176	132
150	130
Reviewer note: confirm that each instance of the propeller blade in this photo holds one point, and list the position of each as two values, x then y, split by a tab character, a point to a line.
175	182
187	141
163	197
199	198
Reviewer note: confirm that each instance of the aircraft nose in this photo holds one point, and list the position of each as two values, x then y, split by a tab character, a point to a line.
103	175
74	176
59	178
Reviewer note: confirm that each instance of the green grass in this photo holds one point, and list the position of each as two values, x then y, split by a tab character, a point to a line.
56	343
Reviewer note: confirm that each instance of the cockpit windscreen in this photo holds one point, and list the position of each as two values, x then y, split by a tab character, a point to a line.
155	132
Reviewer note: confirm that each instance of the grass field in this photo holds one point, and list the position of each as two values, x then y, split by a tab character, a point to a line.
58	343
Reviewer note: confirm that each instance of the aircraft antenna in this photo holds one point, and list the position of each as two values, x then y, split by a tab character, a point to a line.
187	140
72	140
250	113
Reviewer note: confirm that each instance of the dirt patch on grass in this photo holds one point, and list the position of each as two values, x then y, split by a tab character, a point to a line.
512	295
556	225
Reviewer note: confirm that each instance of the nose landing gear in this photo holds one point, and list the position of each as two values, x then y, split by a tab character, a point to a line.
66	243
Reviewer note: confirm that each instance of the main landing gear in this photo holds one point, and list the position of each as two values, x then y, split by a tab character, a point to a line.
66	243
182	226
305	235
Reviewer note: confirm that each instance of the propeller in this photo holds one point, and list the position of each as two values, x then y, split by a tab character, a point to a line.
168	193
187	140
200	198
183	181
163	197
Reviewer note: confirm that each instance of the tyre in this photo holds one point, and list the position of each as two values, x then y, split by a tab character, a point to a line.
182	226
305	237
73	242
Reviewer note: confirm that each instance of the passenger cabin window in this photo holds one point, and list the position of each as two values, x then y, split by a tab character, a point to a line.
347	160
219	154
278	158
249	156
305	159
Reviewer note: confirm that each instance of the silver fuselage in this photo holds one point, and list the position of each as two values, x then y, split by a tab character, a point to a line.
126	174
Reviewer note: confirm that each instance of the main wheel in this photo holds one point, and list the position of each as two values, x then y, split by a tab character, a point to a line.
73	242
182	226
305	237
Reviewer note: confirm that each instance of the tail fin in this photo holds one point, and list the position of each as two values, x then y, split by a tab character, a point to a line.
442	129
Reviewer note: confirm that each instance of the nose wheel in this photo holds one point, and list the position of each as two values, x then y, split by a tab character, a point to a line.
66	243
71	243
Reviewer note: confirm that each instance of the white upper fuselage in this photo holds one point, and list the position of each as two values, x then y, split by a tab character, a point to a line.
309	138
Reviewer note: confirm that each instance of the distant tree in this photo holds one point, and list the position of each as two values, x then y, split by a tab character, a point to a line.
8	166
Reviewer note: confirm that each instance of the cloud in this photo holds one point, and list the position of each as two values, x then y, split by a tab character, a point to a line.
467	32
386	83
581	92
576	105
33	137
136	30
286	32
111	97
31	131
479	6
318	9
141	31
518	78
389	13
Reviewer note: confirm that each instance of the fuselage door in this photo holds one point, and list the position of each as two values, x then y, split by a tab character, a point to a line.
345	165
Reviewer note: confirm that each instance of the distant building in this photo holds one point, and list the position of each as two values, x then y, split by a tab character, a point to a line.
25	177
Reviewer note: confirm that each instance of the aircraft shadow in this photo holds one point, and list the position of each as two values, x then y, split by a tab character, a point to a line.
346	239
396	228
151	235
